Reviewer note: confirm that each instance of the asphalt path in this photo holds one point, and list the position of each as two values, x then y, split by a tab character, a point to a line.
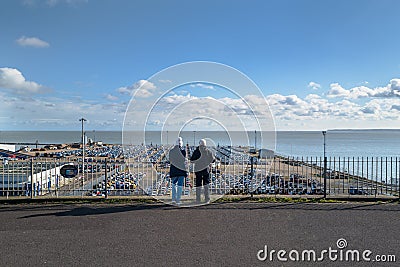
223	234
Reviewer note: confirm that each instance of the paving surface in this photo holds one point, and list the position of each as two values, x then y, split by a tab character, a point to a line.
227	234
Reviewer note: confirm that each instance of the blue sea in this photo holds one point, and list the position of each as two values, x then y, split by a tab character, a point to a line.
343	143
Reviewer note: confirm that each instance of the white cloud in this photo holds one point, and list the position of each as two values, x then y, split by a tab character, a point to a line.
315	112
293	100
142	89
314	85
275	99
32	41
125	90
239	106
369	110
12	79
312	97
111	97
312	106
203	85
165	81
395	84
337	91
58	113
177	109
310	112
290	100
389	91
177	99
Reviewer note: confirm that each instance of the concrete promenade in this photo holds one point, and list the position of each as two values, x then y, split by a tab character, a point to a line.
221	234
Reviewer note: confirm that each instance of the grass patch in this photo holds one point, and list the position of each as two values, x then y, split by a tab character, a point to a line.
277	199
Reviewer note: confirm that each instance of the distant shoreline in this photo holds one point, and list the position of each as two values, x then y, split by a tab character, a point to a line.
377	142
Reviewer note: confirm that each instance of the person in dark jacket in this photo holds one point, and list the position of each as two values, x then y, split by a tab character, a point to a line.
177	171
202	158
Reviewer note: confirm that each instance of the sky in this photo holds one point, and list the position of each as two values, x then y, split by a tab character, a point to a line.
318	64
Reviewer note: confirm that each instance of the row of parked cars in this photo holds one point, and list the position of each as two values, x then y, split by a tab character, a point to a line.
120	183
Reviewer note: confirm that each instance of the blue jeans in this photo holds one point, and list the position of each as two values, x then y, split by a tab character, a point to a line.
177	185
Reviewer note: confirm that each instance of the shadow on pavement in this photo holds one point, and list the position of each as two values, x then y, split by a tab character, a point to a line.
79	210
87	210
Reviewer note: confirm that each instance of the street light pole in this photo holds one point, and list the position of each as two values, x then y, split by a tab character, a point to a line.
94	136
194	138
325	162
255	140
83	153
324	134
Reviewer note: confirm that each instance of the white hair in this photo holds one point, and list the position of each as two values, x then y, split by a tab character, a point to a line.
202	142
179	141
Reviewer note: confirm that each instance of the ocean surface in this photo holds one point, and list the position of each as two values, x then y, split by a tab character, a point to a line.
343	143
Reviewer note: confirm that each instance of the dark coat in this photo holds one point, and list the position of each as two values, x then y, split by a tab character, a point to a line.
202	158
177	160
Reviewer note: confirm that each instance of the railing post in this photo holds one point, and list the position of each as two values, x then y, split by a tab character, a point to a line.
251	175
105	180
325	169
397	180
31	189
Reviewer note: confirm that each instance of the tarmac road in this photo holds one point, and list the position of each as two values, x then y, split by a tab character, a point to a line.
228	234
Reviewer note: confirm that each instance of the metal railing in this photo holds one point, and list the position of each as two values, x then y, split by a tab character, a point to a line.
234	172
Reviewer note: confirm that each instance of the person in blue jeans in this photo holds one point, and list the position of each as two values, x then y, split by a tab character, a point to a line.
177	171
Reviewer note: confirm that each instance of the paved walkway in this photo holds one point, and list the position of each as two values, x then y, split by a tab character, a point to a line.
228	234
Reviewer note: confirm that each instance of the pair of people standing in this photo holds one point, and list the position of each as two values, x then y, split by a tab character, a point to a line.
202	158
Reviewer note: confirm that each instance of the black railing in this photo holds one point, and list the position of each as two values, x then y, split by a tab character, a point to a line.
236	173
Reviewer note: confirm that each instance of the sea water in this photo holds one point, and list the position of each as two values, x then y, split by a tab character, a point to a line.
338	143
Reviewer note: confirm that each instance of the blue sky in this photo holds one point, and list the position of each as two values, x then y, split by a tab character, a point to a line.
320	64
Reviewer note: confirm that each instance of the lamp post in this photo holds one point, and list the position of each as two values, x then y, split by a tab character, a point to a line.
194	138
94	136
255	140
325	162
83	153
324	134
